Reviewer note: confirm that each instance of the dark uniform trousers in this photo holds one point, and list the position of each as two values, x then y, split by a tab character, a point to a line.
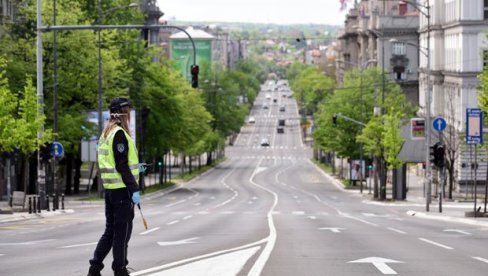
119	213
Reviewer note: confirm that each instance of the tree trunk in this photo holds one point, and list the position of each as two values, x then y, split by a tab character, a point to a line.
383	177
451	179
209	158
76	180
69	172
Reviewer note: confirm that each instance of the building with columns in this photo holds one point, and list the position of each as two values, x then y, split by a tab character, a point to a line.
458	30
395	33
368	30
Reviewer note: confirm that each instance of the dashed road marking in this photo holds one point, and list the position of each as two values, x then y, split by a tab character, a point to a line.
172	222
436	243
149	231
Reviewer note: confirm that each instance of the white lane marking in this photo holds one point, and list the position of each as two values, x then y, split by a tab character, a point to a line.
355	218
149	231
250	202
187	217
481	259
212	198
27	243
2	255
153	269
298	213
78	245
332	229
396	230
203	213
228	264
180	242
374	215
197	204
458	231
175	203
258	266
312	217
227	212
380	264
276	213
435	243
172	222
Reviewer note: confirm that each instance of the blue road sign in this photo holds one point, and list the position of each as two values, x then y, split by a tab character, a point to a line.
474	126
57	150
439	124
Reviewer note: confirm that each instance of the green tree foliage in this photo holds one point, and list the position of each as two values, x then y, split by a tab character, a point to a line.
18	117
356	100
311	87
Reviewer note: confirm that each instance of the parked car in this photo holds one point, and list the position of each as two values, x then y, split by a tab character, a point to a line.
265	107
282	108
252	120
264	142
280	129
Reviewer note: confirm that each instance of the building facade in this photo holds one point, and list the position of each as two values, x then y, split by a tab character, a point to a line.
458	42
381	31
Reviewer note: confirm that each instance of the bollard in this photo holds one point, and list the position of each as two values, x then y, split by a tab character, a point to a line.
54	202
30	205
34	205
39	204
62	201
47	202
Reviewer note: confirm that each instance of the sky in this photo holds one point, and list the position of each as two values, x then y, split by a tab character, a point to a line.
255	11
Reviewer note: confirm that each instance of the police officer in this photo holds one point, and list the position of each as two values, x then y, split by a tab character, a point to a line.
118	165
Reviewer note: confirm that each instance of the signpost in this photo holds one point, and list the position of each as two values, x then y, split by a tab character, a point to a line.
417	128
439	124
474	136
57	150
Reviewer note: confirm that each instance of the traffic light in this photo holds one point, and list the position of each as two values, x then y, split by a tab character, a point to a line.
194	75
432	155
436	153
334	120
439	156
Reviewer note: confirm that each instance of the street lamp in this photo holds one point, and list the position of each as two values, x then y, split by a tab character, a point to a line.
361	155
425	10
101	15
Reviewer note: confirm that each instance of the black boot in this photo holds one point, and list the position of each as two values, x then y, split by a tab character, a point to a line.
121	272
94	271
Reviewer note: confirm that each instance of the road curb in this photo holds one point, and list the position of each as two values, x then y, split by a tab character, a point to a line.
44	214
447	218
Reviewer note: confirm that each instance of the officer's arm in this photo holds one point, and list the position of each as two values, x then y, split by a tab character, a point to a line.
121	154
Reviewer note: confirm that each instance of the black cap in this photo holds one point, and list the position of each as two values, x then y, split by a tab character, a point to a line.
118	103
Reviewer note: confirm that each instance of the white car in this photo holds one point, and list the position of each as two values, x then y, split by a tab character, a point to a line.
251	120
264	142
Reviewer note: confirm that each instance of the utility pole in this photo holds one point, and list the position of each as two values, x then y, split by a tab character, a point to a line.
55	101
41	174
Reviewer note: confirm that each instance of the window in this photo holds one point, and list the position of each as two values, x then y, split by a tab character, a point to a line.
399	73
399	48
402	8
485	58
485	7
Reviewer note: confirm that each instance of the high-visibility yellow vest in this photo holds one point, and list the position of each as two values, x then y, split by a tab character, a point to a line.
111	179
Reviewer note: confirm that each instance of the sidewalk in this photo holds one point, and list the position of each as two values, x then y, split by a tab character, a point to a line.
71	203
453	210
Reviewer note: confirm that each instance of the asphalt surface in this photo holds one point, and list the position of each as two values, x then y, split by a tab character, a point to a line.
266	210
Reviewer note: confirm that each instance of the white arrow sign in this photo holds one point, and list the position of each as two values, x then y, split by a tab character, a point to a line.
379	263
332	229
180	242
458	231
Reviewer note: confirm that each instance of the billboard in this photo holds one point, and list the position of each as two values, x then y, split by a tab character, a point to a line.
182	54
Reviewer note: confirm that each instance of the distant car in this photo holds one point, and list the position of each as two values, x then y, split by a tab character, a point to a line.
252	120
280	129
264	142
268	96
265	107
282	108
275	100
